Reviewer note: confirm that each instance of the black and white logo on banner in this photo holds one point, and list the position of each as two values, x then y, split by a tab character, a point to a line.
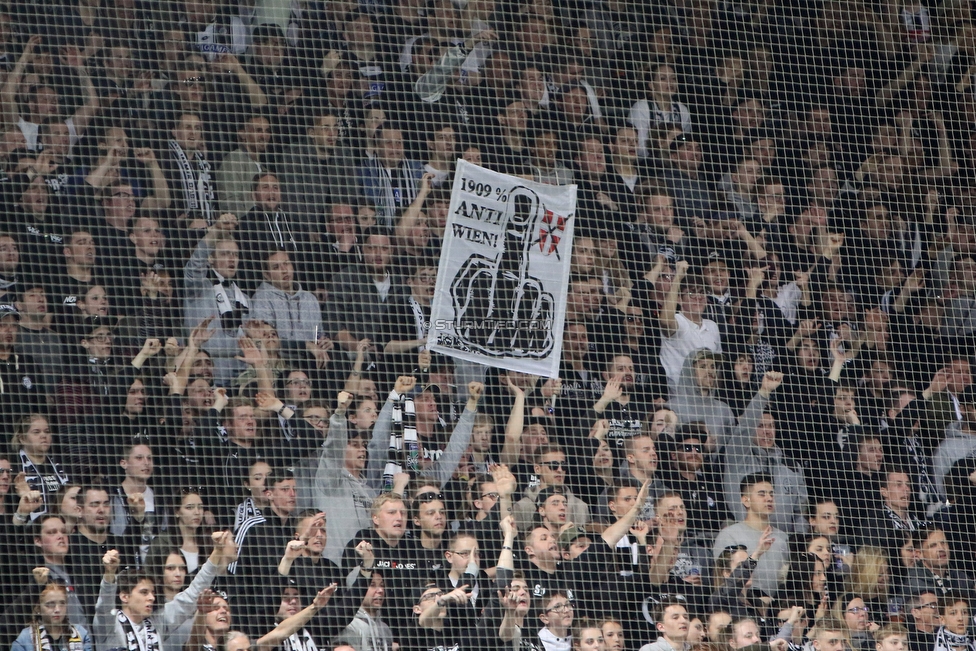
504	272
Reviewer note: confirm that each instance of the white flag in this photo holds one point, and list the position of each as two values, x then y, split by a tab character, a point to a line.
504	272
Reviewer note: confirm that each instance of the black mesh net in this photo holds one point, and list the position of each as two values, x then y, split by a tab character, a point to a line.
235	422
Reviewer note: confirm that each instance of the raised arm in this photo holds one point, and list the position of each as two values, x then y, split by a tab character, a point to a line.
87	111
160	198
669	324
328	475
444	467
288	626
754	411
230	63
616	531
8	94
411	215
380	443
513	429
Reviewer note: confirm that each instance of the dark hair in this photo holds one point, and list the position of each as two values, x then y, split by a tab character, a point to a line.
666	602
127	581
752	479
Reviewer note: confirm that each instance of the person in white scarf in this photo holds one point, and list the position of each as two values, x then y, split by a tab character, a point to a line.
954	634
52	630
211	289
135	626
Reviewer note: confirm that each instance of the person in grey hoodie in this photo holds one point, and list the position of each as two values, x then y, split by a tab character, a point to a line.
693	398
339	487
282	303
439	471
367	632
135	626
751	447
211	291
345	485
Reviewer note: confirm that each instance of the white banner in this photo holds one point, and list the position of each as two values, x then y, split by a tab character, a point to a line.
504	271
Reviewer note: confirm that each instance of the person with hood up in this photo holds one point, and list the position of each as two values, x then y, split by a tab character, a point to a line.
751	447
694	396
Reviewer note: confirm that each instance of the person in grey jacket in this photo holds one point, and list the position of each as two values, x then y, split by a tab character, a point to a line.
441	470
344	492
339	487
751	447
211	291
282	303
135	626
694	397
367	632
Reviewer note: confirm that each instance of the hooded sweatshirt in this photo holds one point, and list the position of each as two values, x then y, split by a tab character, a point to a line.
690	405
743	456
296	316
366	633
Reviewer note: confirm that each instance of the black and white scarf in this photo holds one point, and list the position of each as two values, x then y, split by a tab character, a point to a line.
420	320
35	479
946	640
132	641
245	511
197	184
404	448
42	639
232	304
908	524
300	641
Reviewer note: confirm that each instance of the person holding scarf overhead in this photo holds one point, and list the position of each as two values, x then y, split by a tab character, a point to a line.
135	626
51	629
212	293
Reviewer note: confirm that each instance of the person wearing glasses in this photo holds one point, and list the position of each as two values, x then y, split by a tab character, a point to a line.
441	620
550	470
925	620
851	609
463	557
703	498
557	612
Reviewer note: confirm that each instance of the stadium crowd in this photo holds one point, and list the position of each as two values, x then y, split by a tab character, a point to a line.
220	235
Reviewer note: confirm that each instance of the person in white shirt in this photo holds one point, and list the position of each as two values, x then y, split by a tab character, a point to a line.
688	331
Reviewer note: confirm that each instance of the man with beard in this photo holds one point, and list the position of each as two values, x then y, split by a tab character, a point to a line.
92	541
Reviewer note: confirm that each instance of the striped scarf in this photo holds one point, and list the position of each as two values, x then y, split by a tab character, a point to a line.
404	450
